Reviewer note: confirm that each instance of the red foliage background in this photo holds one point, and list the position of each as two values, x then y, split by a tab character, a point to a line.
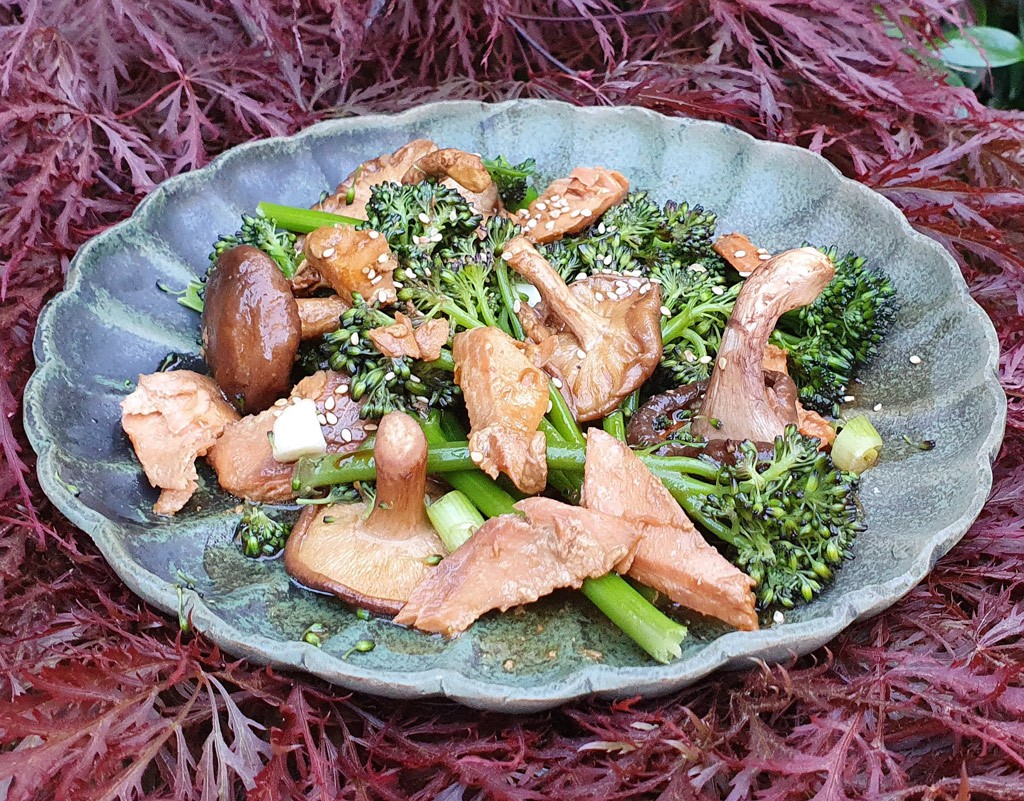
104	699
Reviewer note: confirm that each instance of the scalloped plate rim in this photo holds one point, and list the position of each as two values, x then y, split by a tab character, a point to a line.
727	651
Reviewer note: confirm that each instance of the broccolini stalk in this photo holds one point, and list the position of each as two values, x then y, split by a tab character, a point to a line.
303	221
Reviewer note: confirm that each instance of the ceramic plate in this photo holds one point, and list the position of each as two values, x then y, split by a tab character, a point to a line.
112	323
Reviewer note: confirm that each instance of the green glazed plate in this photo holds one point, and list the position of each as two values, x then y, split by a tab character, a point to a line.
111	323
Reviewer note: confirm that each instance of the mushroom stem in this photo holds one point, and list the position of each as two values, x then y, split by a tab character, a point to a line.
584	323
400	454
737	405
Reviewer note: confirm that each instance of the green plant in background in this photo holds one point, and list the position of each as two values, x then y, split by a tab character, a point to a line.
993	43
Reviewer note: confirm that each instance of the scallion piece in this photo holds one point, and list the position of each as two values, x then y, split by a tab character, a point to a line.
455	518
858	445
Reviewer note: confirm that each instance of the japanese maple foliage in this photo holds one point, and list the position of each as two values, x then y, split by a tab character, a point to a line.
102	698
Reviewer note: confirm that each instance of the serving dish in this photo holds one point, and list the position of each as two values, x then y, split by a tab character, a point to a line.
111	323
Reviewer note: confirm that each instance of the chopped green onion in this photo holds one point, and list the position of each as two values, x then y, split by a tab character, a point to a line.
302	221
857	445
455	518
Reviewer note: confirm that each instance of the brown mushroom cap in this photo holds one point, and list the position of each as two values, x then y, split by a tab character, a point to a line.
251	327
374	561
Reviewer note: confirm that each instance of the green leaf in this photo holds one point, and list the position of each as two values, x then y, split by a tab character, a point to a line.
980	47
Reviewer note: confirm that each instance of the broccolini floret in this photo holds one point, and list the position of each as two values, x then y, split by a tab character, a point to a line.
261	232
512	181
259	534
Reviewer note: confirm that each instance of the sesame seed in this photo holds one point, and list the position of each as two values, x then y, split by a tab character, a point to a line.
717	290
705	360
524	212
453	216
556	197
436	237
582	354
778	618
586	212
542	207
723	363
849	398
598	297
666	311
608	259
329	403
645	289
281	402
574	213
371	273
915	359
742	274
517	306
877	407
688	355
277	413
332	418
389	375
763	256
376	279
550	407
370	427
549	226
531	225
328	252
476	456
374	234
423	218
354	339
557	382
555	214
321	419
580	276
383	257
346	435
415	379
740	254
342	389
426	272
601	228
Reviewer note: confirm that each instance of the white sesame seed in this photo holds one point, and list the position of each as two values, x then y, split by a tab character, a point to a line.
542	206
574	213
723	363
557	382
453	216
389	375
763	256
346	435
877	407
476	456
436	238
376	279
371	273
705	360
415	239
374	234
915	359
281	402
607	259
598	297
555	214
506	255
328	252
580	353
332	418
688	355
666	311
354	339
517	306
370	427
549	226
717	290
743	274
550	406
342	389
778	618
383	257
740	254
277	413
849	398
321	419
329	403
601	228
531	225
580	276
645	289
524	212
426	272
586	212
415	379
423	218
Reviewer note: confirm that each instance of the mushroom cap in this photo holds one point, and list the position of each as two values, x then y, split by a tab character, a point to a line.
251	327
370	569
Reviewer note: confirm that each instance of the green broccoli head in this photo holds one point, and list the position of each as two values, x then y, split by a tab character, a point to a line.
259	534
261	232
512	181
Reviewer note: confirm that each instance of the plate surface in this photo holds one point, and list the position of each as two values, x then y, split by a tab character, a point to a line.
112	323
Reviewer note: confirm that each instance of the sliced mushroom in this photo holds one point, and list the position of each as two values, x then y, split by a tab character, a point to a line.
671	556
171	418
741	253
389	167
738	404
350	260
600	338
462	171
243	458
251	327
373	561
571	204
808	421
319	316
513	560
506	398
402	339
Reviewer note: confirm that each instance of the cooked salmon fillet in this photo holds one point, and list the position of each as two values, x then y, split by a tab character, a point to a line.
672	557
172	418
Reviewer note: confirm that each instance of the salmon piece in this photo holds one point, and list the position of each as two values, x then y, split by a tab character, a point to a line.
514	560
244	461
671	557
401	339
172	418
390	167
350	261
571	204
319	316
740	252
506	397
